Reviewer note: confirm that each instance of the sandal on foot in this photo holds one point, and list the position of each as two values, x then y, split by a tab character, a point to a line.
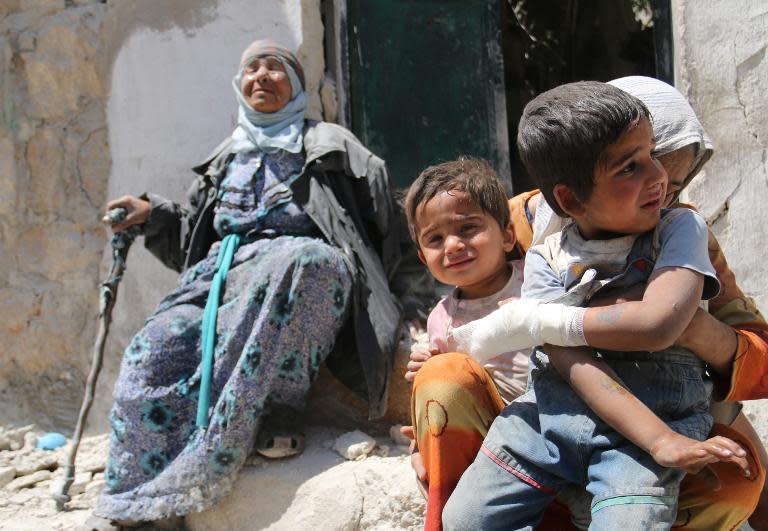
280	446
280	436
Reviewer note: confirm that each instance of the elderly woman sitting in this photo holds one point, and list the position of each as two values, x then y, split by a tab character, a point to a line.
286	242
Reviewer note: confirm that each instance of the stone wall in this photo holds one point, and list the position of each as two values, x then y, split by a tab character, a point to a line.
54	165
99	100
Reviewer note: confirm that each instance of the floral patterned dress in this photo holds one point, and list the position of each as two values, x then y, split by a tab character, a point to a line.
284	302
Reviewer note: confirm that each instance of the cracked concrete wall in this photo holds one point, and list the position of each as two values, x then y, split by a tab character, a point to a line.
721	66
99	100
54	162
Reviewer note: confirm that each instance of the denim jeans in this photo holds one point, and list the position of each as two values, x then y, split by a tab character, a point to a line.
542	443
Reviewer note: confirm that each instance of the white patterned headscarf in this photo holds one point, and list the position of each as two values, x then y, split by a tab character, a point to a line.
675	126
268	132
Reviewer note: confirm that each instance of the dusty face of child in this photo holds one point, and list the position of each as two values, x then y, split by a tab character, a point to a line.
629	188
463	246
678	165
265	85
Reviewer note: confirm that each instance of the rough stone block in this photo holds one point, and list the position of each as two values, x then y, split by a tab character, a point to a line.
23	482
318	490
34	461
354	445
7	474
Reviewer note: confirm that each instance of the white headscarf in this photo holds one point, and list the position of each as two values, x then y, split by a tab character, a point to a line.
675	125
269	132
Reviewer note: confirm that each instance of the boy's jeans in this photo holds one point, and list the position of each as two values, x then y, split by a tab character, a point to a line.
536	448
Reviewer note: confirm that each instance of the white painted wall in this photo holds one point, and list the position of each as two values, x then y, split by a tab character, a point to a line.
170	103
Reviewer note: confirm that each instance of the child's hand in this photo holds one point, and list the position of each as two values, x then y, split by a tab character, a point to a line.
417	463
419	356
677	451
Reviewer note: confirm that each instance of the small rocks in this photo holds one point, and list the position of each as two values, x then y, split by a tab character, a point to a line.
354	445
34	461
7	474
22	497
29	480
82	479
92	454
30	441
95	487
14	438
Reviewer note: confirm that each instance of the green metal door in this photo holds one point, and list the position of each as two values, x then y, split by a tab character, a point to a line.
426	82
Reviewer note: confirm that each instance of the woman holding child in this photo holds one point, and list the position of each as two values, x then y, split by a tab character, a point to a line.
470	399
301	212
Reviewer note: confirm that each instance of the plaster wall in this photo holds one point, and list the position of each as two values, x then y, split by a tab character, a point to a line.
170	103
101	99
721	66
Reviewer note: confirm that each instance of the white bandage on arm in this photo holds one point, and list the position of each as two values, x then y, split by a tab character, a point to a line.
561	325
519	325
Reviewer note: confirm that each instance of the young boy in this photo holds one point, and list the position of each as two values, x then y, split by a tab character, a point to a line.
589	146
459	218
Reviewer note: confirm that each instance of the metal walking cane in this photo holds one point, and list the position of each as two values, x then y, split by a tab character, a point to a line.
121	243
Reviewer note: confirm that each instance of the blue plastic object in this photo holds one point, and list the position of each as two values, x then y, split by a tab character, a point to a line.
51	441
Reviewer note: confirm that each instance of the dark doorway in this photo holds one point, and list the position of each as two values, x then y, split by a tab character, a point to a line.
427	82
551	42
422	81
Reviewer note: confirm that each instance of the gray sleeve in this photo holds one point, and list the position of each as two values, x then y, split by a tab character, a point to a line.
539	280
168	230
683	243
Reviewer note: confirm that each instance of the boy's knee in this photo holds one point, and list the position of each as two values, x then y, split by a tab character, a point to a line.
457	513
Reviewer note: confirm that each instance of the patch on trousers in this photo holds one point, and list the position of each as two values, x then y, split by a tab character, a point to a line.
635	500
519	475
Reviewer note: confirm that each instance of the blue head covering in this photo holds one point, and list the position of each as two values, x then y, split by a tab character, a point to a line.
269	132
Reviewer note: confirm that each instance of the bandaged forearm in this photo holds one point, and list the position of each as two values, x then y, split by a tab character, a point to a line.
519	325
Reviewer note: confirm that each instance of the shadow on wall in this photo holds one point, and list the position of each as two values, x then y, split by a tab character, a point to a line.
171	102
168	101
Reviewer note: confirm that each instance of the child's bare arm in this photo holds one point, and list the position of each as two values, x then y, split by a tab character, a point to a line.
713	341
651	324
654	323
596	383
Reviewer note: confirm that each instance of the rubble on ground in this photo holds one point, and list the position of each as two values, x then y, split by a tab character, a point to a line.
375	490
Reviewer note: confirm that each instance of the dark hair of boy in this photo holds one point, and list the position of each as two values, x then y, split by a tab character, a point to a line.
564	131
473	176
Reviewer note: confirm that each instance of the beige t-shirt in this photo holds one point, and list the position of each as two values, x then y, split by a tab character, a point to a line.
509	371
